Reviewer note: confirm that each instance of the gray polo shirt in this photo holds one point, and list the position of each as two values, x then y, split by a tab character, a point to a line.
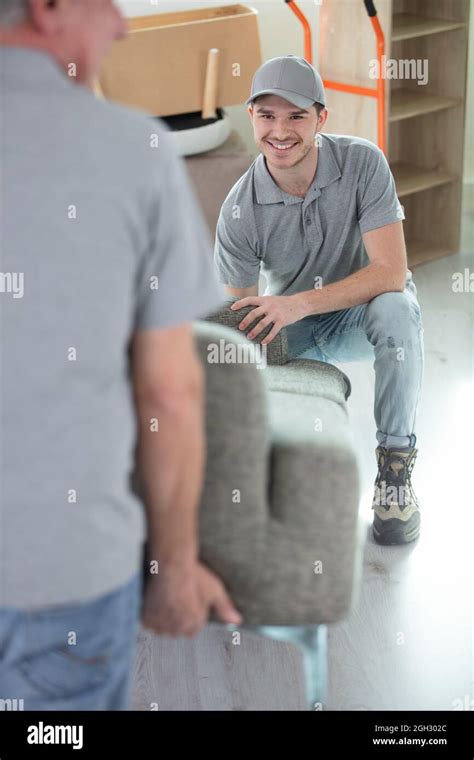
99	219
299	243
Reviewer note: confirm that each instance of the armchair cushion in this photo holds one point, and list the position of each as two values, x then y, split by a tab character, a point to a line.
300	376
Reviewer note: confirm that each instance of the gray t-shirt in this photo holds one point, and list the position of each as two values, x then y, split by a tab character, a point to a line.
95	206
299	243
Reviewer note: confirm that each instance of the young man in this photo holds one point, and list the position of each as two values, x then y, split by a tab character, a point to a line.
105	232
318	216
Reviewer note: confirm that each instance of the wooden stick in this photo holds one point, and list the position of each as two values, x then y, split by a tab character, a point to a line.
210	87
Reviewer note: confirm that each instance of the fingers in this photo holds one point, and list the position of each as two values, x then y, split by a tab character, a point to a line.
177	611
251	317
272	334
165	626
249	301
258	328
194	628
224	608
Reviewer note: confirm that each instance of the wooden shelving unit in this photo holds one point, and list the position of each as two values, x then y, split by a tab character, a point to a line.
406	26
405	104
421	252
411	179
425	122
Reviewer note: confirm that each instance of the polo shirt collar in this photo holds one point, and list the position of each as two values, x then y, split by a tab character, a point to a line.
327	171
30	66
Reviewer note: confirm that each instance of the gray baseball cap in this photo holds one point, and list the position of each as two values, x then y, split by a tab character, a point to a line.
290	77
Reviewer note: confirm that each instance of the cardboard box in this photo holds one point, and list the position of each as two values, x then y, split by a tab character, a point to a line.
161	66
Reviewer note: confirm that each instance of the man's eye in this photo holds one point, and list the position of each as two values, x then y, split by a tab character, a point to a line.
270	116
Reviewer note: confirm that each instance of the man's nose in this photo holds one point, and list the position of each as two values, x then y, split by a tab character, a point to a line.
280	130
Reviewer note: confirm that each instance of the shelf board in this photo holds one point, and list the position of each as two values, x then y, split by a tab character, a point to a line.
421	251
405	26
411	179
405	104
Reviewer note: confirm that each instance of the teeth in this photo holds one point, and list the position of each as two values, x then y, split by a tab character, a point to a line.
282	146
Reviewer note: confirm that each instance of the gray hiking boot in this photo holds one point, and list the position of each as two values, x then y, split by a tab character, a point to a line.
396	508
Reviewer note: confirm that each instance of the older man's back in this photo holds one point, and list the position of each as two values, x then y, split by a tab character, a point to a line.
86	219
104	254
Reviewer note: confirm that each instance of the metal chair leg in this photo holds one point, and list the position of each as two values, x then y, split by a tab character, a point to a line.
312	639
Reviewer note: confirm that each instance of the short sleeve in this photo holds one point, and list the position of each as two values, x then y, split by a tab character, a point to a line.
236	262
177	281
377	199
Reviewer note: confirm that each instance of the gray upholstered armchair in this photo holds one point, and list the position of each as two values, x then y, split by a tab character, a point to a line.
279	513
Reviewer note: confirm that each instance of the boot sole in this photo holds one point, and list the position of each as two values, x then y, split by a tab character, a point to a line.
395	532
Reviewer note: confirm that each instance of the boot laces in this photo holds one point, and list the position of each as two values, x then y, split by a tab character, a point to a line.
386	474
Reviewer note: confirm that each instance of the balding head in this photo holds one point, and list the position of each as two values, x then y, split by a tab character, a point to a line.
77	33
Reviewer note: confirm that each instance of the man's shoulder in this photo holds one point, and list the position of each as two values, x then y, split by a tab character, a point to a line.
351	148
130	129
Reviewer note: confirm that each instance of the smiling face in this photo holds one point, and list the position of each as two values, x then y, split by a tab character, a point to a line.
284	133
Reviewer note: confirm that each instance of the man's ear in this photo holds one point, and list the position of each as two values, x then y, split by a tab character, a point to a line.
250	111
322	118
46	15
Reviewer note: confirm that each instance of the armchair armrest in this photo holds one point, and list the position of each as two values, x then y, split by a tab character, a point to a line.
233	514
276	351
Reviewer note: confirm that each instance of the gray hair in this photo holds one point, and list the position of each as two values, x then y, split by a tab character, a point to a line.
12	12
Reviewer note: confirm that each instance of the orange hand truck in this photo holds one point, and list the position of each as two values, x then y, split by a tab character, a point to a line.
377	92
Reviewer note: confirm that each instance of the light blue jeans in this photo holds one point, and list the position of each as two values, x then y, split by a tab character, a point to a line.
40	670
388	330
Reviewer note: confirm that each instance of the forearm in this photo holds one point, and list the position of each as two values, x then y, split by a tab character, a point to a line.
170	464
243	292
359	287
